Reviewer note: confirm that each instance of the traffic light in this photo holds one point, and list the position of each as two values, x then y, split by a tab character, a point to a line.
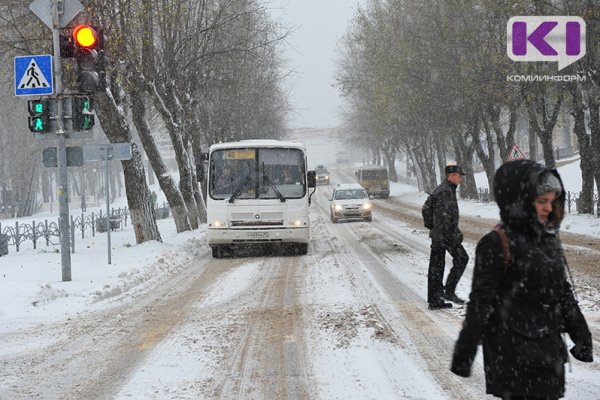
39	115
81	108
88	50
67	47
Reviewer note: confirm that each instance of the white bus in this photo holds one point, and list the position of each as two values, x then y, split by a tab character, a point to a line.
258	192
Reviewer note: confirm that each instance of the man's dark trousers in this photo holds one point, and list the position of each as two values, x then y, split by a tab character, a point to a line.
437	263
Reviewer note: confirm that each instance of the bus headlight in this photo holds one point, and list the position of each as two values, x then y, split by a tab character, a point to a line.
219	224
338	207
367	206
295	222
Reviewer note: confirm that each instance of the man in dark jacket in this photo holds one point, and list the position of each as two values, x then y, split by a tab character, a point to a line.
521	301
445	236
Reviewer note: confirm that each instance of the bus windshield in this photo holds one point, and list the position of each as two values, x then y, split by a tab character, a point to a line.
250	173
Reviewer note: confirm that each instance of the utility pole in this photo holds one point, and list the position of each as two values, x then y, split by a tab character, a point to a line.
55	14
61	152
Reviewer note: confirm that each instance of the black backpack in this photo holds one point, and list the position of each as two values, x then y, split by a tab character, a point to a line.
427	212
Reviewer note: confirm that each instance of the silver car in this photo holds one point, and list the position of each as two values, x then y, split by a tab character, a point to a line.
350	201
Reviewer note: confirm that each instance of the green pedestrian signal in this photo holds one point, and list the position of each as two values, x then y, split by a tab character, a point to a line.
82	110
39	115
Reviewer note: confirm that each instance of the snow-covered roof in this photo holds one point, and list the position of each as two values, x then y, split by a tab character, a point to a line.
256	143
348	186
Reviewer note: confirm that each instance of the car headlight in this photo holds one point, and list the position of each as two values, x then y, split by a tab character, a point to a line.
295	222
338	207
367	206
326	176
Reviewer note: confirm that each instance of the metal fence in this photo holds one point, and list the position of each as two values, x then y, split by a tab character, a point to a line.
571	200
47	231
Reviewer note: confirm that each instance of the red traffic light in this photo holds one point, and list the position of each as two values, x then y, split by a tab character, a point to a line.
85	36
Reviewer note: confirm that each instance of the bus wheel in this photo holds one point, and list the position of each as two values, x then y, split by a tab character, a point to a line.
301	249
217	251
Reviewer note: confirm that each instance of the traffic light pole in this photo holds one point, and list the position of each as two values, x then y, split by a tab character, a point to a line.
61	152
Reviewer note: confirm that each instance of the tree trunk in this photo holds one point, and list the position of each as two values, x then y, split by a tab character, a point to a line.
427	166
112	177
26	186
151	180
464	157
441	154
114	124
168	186
390	159
544	130
533	138
546	139
423	165
139	201
199	176
594	104
194	181
193	137
46	186
487	159
181	155
418	171
585	152
504	143
376	156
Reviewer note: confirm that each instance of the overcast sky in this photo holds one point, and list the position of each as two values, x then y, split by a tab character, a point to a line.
319	25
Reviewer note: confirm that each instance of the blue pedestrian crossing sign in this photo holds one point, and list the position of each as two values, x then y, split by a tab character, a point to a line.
33	75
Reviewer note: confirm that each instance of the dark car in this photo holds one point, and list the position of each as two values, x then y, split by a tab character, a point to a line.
322	175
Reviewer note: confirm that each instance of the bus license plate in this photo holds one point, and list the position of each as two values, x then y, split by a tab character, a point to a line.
257	235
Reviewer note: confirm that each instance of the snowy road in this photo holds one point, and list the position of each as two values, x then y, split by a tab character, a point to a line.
347	321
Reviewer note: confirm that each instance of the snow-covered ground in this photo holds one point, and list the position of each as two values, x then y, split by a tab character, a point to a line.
573	222
359	300
31	290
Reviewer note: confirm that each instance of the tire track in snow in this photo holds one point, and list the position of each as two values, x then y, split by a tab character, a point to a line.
269	361
98	351
430	334
474	228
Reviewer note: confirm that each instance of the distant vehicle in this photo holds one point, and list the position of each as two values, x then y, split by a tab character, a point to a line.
374	178
342	157
350	201
322	175
258	193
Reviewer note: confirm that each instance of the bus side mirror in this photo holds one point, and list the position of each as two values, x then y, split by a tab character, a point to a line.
356	173
311	177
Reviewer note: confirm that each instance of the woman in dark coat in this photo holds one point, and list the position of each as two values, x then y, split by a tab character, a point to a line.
519	310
